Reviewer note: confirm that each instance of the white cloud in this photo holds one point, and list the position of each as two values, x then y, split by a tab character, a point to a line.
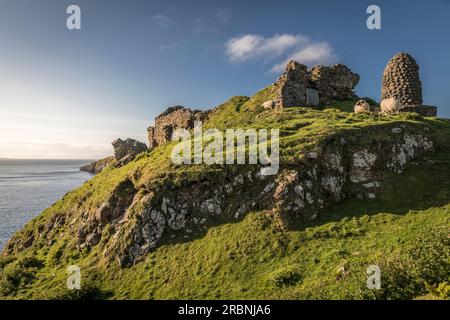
253	46
293	46
310	55
162	20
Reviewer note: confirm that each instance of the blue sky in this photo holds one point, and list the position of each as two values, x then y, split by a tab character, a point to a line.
68	94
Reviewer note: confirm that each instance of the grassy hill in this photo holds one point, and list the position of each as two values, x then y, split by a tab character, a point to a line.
404	230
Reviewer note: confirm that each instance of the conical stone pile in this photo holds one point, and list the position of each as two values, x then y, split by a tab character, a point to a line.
401	80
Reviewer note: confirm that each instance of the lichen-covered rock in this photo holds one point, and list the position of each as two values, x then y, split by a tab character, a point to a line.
413	146
361	167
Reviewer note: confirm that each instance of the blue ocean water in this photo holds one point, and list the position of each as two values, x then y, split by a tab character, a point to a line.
27	187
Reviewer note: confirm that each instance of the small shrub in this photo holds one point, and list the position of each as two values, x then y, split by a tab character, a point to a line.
443	290
5	261
16	275
426	264
285	276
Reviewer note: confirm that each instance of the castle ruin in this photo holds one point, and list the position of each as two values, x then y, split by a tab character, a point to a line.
173	118
298	86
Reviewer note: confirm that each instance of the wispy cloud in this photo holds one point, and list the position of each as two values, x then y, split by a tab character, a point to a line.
253	46
292	46
166	47
310	55
162	20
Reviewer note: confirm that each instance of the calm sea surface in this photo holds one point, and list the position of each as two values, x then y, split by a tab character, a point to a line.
27	187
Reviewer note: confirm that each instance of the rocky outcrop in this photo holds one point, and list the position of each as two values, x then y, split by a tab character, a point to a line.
297	83
126	150
96	167
112	212
402	89
134	218
173	118
339	171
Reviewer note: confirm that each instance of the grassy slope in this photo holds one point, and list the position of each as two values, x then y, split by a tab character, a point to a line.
250	259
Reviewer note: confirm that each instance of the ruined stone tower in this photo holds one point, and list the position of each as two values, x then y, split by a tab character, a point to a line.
176	117
297	86
402	89
401	80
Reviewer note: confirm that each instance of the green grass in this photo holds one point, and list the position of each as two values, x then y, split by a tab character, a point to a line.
251	258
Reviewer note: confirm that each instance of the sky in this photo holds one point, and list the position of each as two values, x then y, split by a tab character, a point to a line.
66	94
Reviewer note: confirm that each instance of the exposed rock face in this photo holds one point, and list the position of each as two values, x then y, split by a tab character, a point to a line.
339	171
96	167
134	219
173	118
332	83
111	212
401	81
361	106
126	150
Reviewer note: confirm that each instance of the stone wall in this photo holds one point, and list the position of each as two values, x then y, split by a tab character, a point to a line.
332	83
290	88
173	118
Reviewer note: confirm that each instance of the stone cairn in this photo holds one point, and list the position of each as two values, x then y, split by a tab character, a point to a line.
401	80
401	87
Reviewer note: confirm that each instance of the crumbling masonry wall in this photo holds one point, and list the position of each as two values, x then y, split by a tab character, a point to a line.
332	83
173	118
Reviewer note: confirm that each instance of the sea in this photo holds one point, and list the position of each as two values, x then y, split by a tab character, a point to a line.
27	187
